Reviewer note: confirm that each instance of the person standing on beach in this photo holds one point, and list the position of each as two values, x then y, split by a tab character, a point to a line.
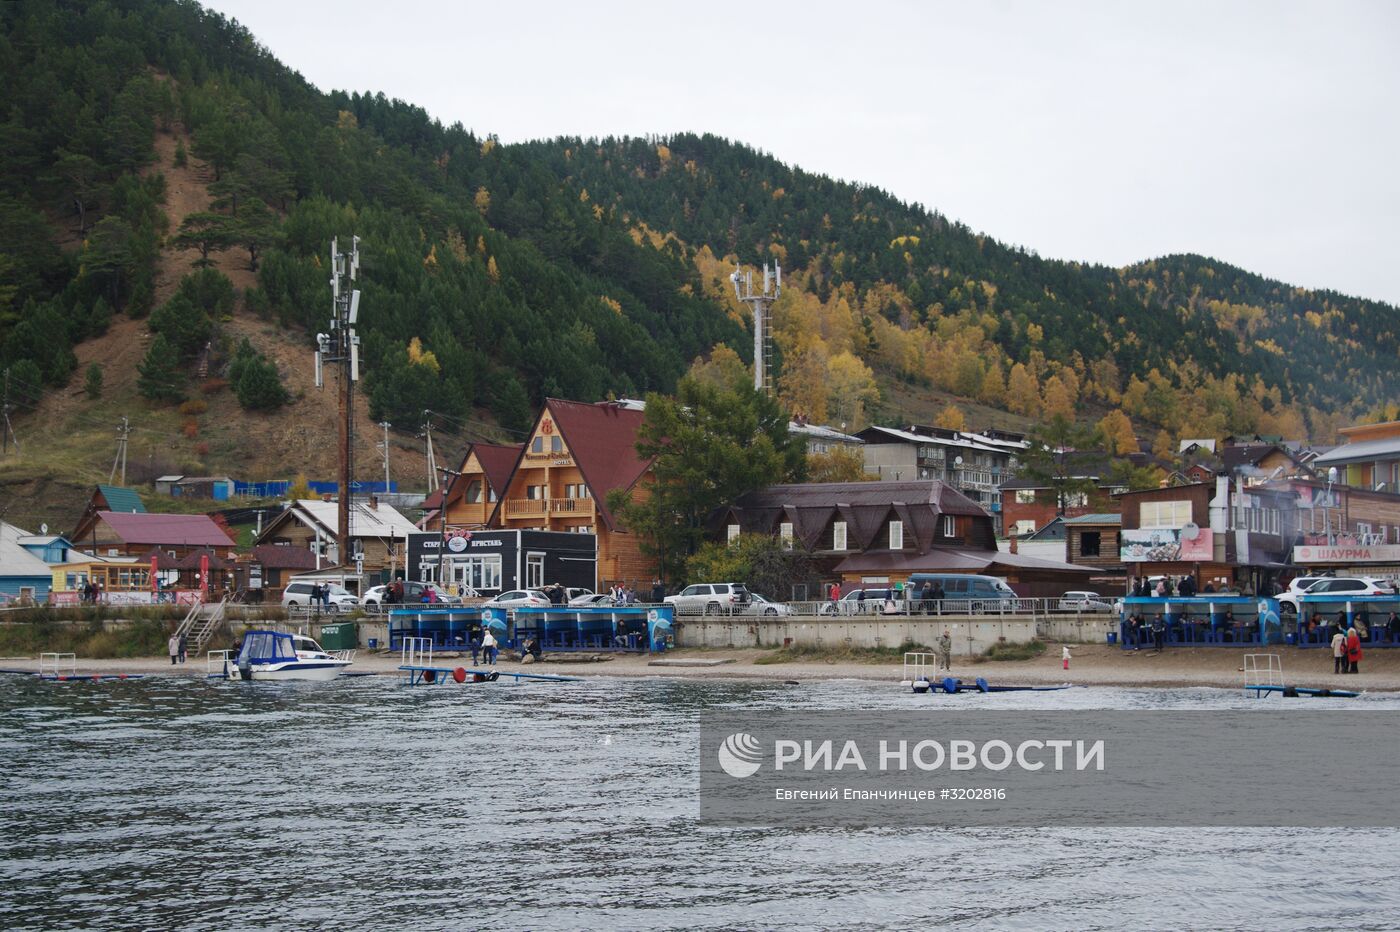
1339	653
1159	631
488	647
1064	655
184	648
945	651
1354	650
174	646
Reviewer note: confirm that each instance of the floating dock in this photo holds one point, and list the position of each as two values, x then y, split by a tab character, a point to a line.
952	685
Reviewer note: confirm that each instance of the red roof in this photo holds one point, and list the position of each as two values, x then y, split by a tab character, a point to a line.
603	440
281	556
497	461
166	530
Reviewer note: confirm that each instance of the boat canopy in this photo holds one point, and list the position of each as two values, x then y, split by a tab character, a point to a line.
267	647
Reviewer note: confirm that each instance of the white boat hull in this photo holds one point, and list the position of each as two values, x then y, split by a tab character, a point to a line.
291	670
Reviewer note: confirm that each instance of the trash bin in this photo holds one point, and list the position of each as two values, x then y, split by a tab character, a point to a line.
1291	638
374	643
340	636
1112	637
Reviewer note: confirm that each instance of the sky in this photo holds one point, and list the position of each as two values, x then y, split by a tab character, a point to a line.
1263	134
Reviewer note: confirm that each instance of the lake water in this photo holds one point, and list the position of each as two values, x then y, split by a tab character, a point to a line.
180	804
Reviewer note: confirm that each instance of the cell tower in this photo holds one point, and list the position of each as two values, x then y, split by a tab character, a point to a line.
342	345
762	305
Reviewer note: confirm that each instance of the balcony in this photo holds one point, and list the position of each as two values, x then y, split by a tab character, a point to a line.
551	507
526	507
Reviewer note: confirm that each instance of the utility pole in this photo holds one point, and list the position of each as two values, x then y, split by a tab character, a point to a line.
442	526
123	432
385	445
432	460
9	433
762	305
342	346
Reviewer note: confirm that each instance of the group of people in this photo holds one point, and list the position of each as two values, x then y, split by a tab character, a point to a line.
178	645
1142	588
1346	651
91	593
1139	627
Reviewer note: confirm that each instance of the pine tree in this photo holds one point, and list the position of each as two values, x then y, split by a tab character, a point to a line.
160	376
93	384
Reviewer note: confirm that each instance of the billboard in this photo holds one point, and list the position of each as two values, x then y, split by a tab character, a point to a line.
1165	545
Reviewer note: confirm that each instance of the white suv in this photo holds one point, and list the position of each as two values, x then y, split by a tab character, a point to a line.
299	593
711	599
1338	585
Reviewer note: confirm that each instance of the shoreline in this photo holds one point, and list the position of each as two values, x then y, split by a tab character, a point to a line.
1092	665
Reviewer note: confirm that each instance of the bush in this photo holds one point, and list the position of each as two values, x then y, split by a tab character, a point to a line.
161	378
191	428
195	406
93	384
213	386
255	380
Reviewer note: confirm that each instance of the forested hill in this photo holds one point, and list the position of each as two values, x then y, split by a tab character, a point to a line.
495	275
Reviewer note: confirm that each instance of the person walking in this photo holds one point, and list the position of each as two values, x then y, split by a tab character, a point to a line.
174	646
488	647
184	648
925	597
1339	652
833	593
945	651
1354	650
937	596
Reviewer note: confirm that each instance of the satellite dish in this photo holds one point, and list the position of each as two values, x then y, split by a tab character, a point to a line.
957	461
1332	474
44	528
1190	531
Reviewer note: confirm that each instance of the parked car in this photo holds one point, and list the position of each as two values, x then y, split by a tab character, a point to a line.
518	598
593	600
867	602
1339	585
966	591
711	599
762	605
412	594
298	592
1082	600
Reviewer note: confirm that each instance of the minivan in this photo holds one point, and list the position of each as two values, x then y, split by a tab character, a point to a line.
982	591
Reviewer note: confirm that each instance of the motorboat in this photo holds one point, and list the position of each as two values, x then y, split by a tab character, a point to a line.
276	655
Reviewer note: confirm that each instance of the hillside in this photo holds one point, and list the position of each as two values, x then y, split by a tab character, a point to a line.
145	132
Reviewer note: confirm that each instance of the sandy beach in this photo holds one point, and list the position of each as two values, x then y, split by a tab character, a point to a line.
1093	665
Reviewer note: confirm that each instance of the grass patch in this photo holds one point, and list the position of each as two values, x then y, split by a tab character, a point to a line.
140	637
1011	652
812	654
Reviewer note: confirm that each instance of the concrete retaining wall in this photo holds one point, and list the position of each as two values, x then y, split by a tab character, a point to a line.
971	634
1078	629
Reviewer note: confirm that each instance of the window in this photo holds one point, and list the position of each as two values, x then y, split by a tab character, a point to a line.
556	444
1164	514
896	535
1076	499
1024	528
1025	496
537	445
838	535
733	533
785	534
1089	543
534	570
473	494
950	526
534	491
477	572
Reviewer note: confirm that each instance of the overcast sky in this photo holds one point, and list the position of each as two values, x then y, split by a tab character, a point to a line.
1264	134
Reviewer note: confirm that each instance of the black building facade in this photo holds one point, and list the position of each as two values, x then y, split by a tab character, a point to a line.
496	561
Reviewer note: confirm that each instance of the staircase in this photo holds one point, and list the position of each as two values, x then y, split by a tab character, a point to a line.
200	624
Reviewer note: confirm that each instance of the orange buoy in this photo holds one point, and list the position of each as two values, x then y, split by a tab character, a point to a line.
429	676
121	676
460	674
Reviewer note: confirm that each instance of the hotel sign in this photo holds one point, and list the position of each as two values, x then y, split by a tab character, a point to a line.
1347	553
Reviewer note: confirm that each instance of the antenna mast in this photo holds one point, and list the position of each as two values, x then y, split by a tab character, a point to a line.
342	345
761	304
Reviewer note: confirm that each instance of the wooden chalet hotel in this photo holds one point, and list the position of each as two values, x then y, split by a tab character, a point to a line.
558	480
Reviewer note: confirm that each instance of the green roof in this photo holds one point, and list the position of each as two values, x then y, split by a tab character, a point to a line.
1095	519
120	499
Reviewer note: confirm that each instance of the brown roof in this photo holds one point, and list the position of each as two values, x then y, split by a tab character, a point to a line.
603	440
166	530
497	461
277	556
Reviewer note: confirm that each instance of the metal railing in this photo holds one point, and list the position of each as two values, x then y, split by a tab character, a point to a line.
58	663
